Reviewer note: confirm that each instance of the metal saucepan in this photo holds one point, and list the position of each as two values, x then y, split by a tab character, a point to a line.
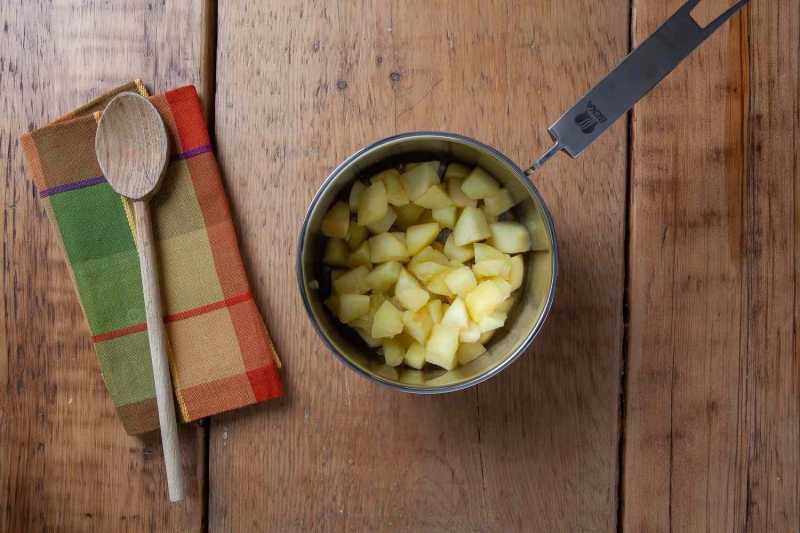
634	77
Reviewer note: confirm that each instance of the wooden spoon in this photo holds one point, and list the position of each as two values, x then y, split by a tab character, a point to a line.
133	151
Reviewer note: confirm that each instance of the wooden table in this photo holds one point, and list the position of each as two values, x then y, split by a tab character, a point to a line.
664	391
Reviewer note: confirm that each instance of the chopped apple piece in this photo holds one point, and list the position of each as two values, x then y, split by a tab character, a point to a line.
356	191
438	285
510	237
386	247
486	337
354	282
332	303
373	205
493	320
360	257
418	180
471	227
517	272
457	194
456	170
426	218
446	216
469	351
384	276
395	193
484	252
454	252
479	185
461	281
433	164
418	325
371	341
503	286
435	310
492	267
442	345
383	224
483	300
470	334
506	306
420	236
434	197
352	306
429	254
336	253
407	215
393	352
336	221
358	234
388	321
412	299
415	356
490	219
456	314
406	281
500	203
426	271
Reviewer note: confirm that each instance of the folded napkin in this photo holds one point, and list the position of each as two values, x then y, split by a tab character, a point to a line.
220	354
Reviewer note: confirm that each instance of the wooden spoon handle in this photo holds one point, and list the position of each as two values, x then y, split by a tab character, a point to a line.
158	352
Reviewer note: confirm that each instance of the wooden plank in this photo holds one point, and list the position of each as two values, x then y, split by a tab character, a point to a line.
302	85
65	461
711	432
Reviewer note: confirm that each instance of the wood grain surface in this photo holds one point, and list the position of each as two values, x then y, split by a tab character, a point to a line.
712	404
302	85
65	462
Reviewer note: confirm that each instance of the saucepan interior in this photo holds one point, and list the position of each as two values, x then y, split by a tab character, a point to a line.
531	307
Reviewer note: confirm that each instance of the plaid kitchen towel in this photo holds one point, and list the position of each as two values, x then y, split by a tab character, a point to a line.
220	353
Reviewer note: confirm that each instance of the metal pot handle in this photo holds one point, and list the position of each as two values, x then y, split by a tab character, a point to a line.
630	80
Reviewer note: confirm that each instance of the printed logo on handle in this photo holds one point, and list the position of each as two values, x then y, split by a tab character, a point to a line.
588	120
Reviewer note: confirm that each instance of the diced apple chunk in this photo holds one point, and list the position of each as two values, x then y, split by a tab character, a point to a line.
356	191
471	227
434	197
388	321
456	170
461	281
354	282
493	320
336	253
360	257
332	303
490	219
393	352
429	254
418	180
446	216
336	221
420	236
352	306
506	306
486	337
383	224
456	314
406	281
503	286
457	195
438	285
425	272
499	203
483	300
358	234
517	273
470	334
418	325
510	237
492	267
384	276
479	185
469	351
462	254
395	193
407	215
415	356
413	299
373	205
435	310
484	252
442	345
371	341
386	247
